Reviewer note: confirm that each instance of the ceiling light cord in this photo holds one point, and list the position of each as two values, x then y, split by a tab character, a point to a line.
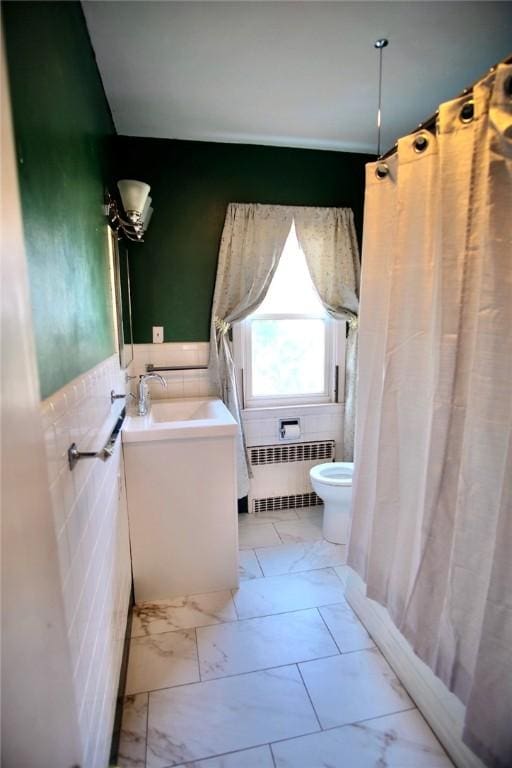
380	45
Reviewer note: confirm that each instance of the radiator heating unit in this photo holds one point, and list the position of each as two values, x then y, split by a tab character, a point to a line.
281	474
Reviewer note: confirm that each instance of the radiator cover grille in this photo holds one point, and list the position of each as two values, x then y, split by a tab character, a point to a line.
293	501
281	474
284	454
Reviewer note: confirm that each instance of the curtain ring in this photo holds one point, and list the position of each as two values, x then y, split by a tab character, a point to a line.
382	170
467	111
420	143
507	86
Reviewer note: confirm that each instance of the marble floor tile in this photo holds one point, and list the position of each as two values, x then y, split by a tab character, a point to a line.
248	565
345	627
132	740
252	536
306	556
342	573
276	516
259	757
271	641
403	740
308	529
353	686
182	613
159	661
193	722
277	594
312	513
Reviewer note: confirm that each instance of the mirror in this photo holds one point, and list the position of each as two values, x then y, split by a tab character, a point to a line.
122	297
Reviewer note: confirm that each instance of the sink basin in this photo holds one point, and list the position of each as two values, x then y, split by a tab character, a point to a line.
183	410
180	419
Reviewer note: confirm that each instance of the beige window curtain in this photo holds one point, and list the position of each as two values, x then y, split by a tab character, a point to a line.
327	237
252	242
432	513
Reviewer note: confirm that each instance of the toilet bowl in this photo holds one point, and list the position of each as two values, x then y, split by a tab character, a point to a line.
333	483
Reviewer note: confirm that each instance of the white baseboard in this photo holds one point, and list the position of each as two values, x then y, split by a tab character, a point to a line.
440	708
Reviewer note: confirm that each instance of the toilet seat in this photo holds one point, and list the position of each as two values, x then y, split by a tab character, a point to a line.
336	473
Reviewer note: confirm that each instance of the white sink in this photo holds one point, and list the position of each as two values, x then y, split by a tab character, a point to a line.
183	410
179	419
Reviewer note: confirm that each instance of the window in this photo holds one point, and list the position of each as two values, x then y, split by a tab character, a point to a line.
287	346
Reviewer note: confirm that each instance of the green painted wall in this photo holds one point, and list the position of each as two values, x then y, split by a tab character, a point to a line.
173	272
63	131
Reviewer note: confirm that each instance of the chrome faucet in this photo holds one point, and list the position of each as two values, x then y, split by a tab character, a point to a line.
143	393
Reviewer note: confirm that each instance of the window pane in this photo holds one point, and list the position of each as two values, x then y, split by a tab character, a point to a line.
288	357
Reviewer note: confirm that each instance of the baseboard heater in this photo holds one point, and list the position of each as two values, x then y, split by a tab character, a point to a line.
281	474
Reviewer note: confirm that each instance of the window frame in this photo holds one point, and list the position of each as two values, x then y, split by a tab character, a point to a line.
334	356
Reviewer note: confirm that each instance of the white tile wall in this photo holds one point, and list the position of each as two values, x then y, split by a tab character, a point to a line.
317	422
89	507
179	383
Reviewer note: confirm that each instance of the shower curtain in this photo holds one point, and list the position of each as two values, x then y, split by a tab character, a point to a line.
432	515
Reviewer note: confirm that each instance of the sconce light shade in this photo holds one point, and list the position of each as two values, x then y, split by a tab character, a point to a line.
146	208
133	195
147	219
137	210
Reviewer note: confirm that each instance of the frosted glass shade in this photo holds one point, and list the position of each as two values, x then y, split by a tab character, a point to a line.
133	195
145	210
147	219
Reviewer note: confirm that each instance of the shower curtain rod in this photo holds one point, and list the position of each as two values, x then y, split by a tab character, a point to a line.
430	122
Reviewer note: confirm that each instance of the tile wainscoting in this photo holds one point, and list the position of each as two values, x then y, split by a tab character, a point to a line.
318	422
91	526
179	383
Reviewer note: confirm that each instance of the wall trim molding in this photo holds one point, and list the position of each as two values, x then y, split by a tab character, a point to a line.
440	708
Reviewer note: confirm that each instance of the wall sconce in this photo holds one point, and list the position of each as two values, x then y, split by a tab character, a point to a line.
137	206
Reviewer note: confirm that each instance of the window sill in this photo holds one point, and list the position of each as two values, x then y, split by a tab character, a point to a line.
289	410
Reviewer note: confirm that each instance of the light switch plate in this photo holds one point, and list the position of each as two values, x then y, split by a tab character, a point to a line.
158	334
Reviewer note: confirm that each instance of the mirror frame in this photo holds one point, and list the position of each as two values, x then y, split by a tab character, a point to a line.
124	345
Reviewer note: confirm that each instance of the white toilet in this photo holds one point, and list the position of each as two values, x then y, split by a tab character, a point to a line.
333	483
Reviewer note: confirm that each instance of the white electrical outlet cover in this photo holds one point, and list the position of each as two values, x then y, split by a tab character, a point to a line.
158	334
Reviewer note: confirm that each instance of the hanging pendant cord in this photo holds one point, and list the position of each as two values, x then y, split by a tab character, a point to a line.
380	45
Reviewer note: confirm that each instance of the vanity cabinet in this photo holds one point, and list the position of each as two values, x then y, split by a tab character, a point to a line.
181	489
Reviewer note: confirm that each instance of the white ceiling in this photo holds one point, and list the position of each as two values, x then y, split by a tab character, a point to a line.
298	74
